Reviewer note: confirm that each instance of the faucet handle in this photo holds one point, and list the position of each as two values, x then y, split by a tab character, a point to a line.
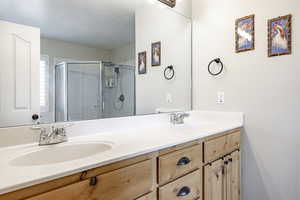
61	131
185	114
182	114
43	133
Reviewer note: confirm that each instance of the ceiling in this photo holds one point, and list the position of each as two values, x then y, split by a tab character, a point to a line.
102	23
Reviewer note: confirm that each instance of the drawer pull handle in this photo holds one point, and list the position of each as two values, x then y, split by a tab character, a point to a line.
184	192
183	161
93	181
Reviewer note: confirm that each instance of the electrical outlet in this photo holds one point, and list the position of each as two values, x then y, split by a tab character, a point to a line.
220	98
169	98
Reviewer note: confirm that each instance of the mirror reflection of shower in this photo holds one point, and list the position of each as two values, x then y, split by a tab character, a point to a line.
119	90
119	97
86	90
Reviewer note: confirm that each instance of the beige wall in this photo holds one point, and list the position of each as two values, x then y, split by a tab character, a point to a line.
124	55
266	89
73	51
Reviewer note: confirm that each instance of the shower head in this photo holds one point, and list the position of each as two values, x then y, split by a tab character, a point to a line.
117	70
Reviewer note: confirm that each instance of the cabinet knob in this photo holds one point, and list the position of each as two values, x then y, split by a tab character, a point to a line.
226	162
184	191
35	117
183	161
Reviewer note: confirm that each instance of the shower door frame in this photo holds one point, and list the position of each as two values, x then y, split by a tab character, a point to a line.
65	81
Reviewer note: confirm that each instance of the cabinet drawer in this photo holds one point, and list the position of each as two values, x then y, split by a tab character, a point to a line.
233	142
214	149
186	188
126	183
178	163
151	196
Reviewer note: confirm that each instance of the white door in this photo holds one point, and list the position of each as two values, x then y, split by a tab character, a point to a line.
19	74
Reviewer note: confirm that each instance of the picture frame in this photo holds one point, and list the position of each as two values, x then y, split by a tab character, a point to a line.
156	54
170	3
245	34
142	62
280	36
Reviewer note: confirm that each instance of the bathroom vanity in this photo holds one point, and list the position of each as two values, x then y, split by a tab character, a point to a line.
205	166
118	82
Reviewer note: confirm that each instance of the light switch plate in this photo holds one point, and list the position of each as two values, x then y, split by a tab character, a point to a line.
220	97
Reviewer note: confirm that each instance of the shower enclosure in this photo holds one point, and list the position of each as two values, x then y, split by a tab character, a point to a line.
93	90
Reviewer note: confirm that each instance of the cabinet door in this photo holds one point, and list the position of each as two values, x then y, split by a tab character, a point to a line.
123	184
214	181
232	171
19	74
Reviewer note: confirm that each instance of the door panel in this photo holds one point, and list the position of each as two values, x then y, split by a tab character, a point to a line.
19	74
214	181
22	73
233	176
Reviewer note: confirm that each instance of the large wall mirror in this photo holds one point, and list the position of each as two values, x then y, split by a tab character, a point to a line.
64	60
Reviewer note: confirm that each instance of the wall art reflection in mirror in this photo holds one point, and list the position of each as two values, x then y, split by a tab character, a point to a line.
171	3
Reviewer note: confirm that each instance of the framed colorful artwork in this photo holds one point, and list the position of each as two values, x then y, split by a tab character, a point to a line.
280	36
171	3
156	54
245	34
142	62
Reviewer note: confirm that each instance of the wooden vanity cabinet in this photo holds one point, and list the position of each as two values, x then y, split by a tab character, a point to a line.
126	183
222	166
180	173
206	169
222	178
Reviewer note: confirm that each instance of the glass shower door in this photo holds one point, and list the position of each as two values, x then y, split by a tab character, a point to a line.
84	91
118	90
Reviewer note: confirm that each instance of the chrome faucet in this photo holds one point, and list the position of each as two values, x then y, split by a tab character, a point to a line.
178	117
52	135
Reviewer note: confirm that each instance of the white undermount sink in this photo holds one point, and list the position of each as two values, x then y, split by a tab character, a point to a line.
60	153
